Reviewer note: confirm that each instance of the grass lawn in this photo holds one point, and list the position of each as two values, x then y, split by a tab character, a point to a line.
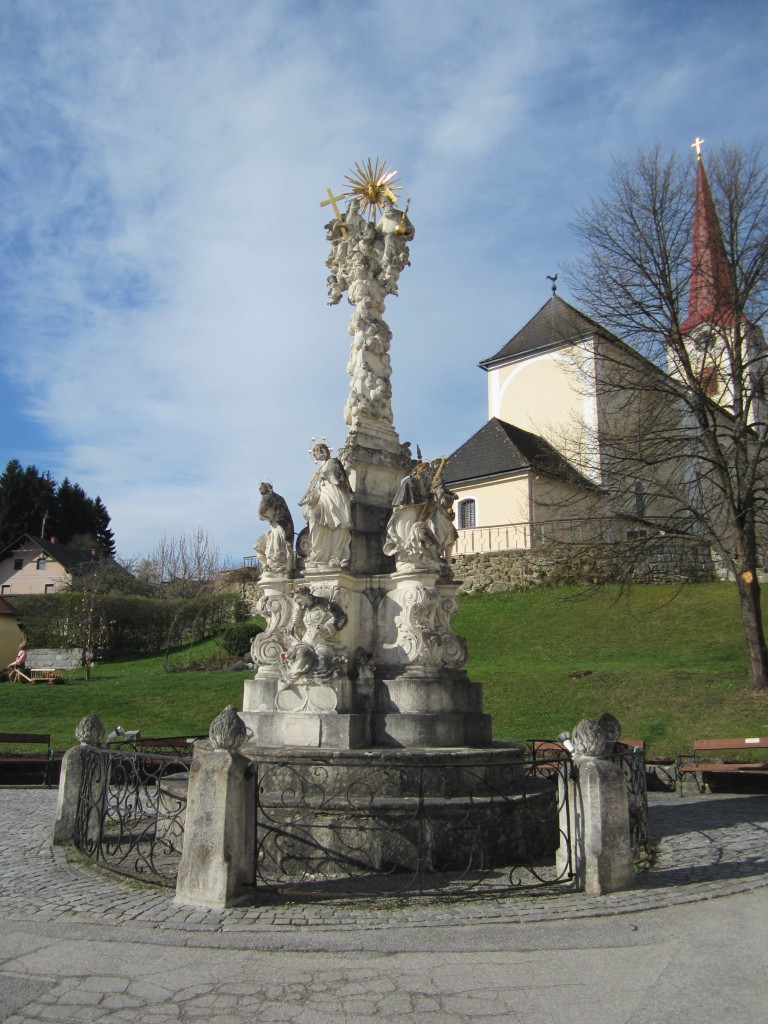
669	663
134	694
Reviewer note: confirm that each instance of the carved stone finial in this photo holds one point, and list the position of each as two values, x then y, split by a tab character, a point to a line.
228	730
89	730
612	729
589	739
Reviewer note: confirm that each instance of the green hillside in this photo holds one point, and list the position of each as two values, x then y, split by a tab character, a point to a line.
669	663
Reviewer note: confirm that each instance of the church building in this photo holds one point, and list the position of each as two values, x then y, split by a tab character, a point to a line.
541	470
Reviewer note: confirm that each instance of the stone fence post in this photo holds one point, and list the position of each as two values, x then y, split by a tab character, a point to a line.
598	813
217	861
89	733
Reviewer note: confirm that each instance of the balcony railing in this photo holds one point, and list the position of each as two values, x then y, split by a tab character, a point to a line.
526	535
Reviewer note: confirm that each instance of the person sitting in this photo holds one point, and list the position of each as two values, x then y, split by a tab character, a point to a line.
16	668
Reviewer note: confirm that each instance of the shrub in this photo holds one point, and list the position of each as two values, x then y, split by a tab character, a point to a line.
144	625
236	639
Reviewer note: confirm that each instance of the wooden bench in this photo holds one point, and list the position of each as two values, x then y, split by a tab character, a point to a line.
28	759
694	764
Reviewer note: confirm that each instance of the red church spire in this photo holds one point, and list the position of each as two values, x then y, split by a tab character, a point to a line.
710	299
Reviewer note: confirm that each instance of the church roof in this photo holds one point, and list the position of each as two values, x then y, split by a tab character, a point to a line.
555	324
499	448
710	296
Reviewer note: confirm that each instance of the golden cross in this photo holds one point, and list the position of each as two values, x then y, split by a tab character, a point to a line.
331	201
696	144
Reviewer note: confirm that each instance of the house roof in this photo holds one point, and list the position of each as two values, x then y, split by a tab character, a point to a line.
557	323
499	448
69	558
6	608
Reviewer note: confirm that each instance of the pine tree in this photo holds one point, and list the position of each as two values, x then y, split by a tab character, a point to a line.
27	502
31	502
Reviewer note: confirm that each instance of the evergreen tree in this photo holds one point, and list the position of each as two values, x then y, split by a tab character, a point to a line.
27	502
75	516
31	502
104	536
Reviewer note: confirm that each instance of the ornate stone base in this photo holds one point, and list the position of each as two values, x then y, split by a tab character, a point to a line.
397	810
308	729
351	661
400	729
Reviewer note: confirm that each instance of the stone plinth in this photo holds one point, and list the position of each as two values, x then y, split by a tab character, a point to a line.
329	815
601	850
308	729
376	462
217	862
399	682
70	781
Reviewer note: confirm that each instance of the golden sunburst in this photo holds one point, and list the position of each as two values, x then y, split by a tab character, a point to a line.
371	183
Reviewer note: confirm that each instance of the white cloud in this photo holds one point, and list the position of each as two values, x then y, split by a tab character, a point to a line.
162	294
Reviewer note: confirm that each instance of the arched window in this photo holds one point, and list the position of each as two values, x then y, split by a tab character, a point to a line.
466	509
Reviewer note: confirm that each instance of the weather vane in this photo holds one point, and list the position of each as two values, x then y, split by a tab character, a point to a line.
370	184
554	283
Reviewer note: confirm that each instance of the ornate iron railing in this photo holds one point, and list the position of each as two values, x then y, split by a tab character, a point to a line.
591	530
632	761
633	765
431	825
130	816
327	827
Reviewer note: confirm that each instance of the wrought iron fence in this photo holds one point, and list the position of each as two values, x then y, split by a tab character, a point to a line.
331	827
632	761
422	826
130	815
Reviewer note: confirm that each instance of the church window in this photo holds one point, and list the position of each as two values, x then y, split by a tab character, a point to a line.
466	511
640	500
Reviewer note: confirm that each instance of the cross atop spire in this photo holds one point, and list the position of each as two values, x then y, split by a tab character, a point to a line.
710	298
697	144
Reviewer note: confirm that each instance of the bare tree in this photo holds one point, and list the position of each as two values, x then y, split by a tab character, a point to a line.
676	264
179	566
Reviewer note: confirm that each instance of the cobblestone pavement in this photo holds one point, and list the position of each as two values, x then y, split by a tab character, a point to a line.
705	846
79	945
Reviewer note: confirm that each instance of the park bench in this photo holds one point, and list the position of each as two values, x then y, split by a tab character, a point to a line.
695	765
157	755
30	759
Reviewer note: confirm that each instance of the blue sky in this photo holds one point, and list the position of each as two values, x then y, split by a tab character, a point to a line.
164	334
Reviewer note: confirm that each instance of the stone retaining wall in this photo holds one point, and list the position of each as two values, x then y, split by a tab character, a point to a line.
667	560
61	660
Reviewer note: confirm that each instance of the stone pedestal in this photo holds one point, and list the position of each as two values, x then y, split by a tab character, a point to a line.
397	811
376	462
400	682
70	781
217	862
601	851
